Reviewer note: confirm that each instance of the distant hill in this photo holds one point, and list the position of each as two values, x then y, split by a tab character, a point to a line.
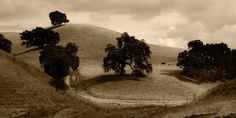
92	41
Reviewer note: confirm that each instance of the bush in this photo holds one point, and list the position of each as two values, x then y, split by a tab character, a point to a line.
5	44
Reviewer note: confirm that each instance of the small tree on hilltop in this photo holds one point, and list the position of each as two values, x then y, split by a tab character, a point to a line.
57	18
39	37
5	44
58	60
128	52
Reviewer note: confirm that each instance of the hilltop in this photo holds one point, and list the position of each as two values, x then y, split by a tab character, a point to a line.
92	41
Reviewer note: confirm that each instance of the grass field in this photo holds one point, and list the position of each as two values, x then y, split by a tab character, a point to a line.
160	94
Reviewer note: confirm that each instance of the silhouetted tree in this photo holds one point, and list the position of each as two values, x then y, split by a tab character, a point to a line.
206	61
129	52
57	18
39	37
5	44
233	61
71	51
58	60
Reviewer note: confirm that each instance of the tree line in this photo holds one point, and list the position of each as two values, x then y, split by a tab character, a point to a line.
207	62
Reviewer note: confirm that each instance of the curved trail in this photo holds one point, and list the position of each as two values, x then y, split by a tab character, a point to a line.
129	103
85	93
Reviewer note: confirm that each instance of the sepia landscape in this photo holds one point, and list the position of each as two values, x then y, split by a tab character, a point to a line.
57	66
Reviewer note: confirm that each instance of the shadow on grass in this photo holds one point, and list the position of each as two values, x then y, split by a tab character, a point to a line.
30	50
177	74
104	79
209	115
212	115
54	26
58	84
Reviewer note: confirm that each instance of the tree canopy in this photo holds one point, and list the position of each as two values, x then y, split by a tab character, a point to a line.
57	18
39	37
58	60
128	52
210	61
5	44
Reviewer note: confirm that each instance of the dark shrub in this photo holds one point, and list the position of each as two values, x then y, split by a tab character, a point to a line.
5	44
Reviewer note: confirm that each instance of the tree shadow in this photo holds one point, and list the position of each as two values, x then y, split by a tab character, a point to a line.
177	74
54	26
104	79
30	50
59	84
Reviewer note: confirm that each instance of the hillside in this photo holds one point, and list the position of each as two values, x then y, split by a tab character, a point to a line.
25	92
92	41
218	102
24	89
160	88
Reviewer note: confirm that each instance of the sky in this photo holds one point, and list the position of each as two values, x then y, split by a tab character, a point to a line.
170	23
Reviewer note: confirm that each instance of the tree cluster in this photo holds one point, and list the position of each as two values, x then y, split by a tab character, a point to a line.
57	18
39	37
57	61
207	62
128	52
5	44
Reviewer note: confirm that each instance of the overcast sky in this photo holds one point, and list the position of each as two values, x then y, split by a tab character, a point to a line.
164	22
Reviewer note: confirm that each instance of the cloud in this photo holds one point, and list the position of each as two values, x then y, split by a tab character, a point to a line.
212	13
189	31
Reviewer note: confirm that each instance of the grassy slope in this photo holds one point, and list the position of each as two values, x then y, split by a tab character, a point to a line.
24	89
25	92
92	41
84	35
36	92
218	102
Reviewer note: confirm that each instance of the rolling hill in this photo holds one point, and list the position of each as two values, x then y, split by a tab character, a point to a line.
25	90
92	41
28	89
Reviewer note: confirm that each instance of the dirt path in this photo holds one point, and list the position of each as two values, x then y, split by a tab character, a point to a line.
162	90
127	103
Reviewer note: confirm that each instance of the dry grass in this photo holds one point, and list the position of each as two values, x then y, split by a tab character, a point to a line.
31	95
156	87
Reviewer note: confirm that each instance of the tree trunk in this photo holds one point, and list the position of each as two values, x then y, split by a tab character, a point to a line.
122	70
